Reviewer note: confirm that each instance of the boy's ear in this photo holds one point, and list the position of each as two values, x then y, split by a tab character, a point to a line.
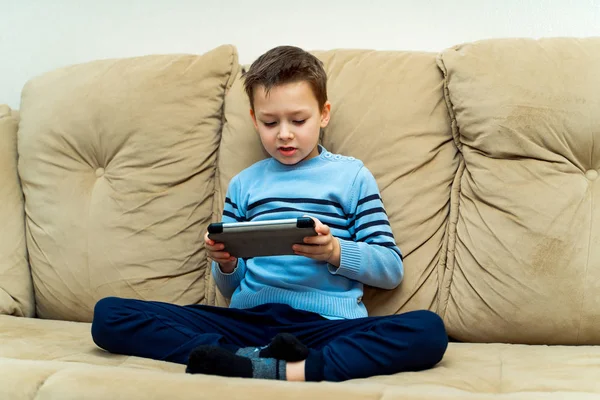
253	119
325	114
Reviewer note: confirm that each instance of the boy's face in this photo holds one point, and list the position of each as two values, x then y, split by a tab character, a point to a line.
289	120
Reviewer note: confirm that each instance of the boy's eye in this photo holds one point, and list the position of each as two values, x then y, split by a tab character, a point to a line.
269	123
300	122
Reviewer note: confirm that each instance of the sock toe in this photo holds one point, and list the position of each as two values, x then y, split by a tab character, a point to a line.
286	346
214	360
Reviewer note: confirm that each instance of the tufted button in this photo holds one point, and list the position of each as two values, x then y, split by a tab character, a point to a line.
99	172
591	174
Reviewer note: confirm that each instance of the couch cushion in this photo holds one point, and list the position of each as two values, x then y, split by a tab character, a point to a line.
53	340
387	110
524	259
468	370
117	162
16	291
27	380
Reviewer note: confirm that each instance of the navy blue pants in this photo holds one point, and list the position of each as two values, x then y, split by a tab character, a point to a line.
339	349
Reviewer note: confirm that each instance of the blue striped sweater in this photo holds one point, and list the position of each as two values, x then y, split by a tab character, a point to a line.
343	194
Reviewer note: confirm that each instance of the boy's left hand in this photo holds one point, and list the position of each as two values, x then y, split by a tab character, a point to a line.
323	247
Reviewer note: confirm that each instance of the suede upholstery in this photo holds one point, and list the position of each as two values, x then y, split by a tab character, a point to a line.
486	155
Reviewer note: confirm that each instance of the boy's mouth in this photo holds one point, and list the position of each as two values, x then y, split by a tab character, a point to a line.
287	151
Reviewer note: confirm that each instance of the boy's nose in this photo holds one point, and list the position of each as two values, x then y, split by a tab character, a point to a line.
285	133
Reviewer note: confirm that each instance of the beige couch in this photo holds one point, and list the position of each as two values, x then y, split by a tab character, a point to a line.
486	156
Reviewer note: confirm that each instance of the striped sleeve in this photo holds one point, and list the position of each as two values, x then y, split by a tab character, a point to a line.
373	257
232	212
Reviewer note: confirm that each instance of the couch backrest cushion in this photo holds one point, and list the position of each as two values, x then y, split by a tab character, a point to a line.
117	161
16	292
387	110
524	257
240	147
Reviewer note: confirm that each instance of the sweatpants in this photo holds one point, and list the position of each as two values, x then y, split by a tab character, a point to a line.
339	349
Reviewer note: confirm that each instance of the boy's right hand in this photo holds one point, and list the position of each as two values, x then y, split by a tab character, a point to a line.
226	262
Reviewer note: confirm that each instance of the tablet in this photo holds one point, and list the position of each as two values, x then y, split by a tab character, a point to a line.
262	238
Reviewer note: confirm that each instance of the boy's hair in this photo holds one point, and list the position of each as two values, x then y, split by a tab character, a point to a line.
286	64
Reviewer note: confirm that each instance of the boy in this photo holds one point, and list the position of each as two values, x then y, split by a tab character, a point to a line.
300	317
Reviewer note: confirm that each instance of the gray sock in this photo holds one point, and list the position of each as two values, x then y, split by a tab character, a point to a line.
268	368
249	352
215	360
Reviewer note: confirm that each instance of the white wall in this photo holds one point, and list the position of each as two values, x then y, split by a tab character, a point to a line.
39	35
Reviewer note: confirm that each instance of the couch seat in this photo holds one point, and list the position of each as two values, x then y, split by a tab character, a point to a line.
45	359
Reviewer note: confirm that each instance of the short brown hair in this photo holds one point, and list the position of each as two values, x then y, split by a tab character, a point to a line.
286	64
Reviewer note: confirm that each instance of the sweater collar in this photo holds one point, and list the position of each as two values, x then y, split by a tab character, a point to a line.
306	164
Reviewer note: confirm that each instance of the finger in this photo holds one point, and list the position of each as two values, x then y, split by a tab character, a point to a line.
220	255
317	240
321	228
223	261
216	247
318	257
207	240
309	249
305	254
317	222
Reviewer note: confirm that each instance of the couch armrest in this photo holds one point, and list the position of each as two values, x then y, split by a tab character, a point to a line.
16	292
